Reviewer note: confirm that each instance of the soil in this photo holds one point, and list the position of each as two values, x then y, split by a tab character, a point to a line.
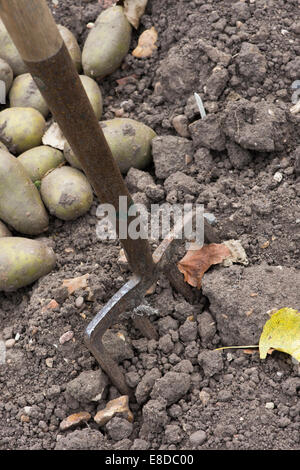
243	163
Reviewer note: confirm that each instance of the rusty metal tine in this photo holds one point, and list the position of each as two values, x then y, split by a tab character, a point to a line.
129	296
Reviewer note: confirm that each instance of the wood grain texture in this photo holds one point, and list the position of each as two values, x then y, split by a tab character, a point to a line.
32	28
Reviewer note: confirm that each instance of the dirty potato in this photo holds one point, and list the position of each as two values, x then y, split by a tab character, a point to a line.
9	52
4	232
66	193
6	75
72	46
129	141
21	206
25	94
94	94
39	160
23	261
21	128
107	43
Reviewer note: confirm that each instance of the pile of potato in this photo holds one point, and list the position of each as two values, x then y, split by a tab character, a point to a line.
37	180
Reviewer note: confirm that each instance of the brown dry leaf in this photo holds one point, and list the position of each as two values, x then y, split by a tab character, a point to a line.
196	262
146	44
134	10
76	283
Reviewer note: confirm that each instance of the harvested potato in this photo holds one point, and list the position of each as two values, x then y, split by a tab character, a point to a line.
4	232
66	193
94	94
9	52
21	206
107	43
25	94
39	160
21	128
129	141
23	261
72	46
6	75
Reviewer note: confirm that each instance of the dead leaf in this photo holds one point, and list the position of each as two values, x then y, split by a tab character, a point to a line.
134	10
196	262
281	332
76	283
146	44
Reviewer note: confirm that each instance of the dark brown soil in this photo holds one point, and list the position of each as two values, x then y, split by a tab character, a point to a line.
242	58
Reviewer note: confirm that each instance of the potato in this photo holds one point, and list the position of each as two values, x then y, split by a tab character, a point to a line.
3	147
9	52
4	232
107	43
6	75
39	160
21	206
21	128
25	94
72	46
23	261
129	141
66	193
94	94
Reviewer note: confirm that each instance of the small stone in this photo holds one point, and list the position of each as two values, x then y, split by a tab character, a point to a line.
270	405
204	397
119	406
74	420
24	419
9	343
180	124
49	362
198	438
278	177
79	301
66	337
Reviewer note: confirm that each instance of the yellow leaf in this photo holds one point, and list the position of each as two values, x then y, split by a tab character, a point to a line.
281	332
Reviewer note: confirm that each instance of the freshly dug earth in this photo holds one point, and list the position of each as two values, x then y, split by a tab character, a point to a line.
243	164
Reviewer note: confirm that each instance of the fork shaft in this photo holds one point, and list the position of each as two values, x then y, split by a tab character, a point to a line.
35	34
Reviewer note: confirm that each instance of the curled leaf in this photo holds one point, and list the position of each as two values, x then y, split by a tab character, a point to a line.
281	332
196	262
146	44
